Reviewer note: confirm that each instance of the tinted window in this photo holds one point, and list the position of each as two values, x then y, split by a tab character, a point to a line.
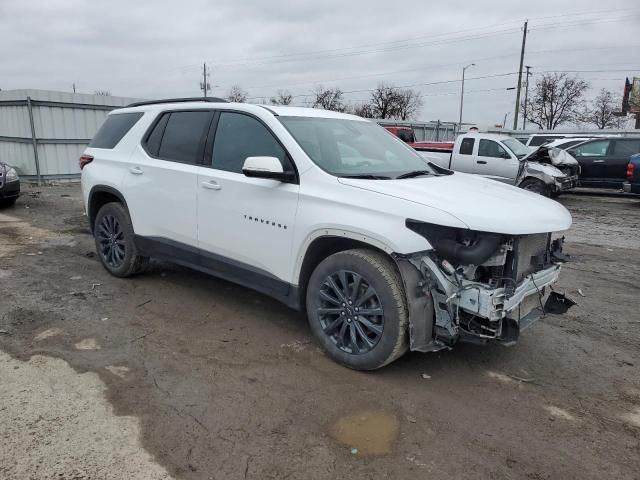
406	135
240	136
626	147
466	147
154	138
183	136
593	149
489	148
114	128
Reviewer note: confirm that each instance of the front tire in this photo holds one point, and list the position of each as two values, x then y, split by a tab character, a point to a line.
357	309
114	237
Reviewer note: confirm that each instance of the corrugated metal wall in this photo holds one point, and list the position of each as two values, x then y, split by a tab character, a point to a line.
63	122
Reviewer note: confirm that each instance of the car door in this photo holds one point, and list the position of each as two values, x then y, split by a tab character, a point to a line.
246	225
494	161
592	157
160	187
616	165
462	159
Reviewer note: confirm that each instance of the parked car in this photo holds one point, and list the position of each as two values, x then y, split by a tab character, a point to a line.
632	185
499	157
603	161
327	213
9	185
407	136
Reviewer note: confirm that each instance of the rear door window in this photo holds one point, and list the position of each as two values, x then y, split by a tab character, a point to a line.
183	137
114	129
626	148
466	147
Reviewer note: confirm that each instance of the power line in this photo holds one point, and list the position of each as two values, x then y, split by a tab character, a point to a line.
441	82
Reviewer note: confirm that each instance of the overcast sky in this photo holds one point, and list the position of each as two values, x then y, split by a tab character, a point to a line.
156	49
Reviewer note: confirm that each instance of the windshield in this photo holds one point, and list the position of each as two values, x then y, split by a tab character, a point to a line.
353	148
518	149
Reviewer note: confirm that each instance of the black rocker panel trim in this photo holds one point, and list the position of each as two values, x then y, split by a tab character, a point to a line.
219	266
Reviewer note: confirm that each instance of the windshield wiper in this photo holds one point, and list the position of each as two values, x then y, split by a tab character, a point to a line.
367	177
415	173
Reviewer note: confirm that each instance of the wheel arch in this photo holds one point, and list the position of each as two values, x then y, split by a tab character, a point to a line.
101	195
322	246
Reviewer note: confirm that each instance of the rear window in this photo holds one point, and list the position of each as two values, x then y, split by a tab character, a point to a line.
114	128
466	147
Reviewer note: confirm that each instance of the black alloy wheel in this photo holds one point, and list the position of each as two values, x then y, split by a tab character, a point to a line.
350	312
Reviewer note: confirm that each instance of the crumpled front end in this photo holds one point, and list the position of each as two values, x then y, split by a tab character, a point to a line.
479	287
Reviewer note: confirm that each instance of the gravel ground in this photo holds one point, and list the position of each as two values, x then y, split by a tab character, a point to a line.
178	374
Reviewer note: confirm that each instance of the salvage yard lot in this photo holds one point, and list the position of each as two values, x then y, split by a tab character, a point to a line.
175	373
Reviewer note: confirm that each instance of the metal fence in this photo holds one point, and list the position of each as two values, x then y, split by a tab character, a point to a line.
43	133
426	131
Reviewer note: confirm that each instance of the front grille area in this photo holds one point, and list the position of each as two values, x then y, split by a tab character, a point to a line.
531	253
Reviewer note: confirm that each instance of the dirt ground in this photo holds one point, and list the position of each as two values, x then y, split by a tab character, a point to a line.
175	373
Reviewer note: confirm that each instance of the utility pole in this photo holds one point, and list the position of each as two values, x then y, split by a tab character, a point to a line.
526	97
204	84
462	96
524	42
74	88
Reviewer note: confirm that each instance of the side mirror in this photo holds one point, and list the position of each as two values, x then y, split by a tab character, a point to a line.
265	167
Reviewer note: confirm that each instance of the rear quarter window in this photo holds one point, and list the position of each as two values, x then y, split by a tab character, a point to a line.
114	129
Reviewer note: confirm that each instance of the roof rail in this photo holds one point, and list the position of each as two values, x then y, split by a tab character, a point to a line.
178	100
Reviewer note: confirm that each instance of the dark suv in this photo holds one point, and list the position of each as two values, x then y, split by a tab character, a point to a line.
603	161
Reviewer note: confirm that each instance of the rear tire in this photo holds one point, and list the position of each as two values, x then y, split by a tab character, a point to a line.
536	186
357	309
115	245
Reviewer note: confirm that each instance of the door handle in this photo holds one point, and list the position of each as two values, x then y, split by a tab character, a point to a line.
211	185
598	161
135	170
481	162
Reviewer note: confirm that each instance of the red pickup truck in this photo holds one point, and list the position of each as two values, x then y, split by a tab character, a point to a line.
406	135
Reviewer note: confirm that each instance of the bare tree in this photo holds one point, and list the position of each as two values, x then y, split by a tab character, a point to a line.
603	112
328	99
364	110
388	101
282	97
237	94
102	93
557	98
383	101
408	103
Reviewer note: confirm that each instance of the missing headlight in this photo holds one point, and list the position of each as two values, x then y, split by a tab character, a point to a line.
458	245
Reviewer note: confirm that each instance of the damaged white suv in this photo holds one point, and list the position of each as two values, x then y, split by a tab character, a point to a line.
328	213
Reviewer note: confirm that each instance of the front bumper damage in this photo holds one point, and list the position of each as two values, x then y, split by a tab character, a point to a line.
445	307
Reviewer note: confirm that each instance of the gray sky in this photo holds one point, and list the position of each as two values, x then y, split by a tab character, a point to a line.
157	49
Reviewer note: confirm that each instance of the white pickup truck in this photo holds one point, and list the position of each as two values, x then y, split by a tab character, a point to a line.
547	171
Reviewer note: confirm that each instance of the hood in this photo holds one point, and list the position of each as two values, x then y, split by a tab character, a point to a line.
482	204
553	156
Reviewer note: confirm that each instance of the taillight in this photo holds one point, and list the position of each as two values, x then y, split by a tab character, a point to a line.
85	160
630	168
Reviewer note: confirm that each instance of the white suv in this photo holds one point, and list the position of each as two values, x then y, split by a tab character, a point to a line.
328	213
